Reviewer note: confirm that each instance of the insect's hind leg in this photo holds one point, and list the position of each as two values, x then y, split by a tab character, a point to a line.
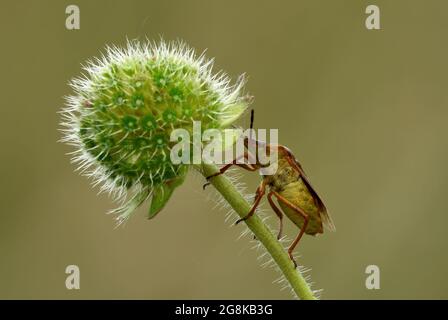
302	230
278	212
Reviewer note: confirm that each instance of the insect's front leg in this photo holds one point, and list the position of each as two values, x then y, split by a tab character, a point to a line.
258	195
246	166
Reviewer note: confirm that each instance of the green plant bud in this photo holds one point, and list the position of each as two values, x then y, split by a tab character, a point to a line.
125	107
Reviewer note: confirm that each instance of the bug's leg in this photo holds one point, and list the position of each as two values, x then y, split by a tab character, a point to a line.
225	168
278	212
258	195
248	167
302	230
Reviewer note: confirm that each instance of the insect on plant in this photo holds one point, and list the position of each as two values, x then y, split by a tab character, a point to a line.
296	197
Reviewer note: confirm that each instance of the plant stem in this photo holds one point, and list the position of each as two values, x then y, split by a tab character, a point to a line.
226	188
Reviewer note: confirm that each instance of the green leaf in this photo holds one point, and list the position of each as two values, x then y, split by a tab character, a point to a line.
163	193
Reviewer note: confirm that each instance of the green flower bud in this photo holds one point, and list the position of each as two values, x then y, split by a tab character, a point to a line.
125	108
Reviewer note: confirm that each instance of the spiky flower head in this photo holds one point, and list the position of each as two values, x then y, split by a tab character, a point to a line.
125	107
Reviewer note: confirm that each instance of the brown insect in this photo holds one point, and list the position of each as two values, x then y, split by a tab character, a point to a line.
296	198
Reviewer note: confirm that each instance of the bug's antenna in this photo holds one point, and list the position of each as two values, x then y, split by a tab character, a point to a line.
252	112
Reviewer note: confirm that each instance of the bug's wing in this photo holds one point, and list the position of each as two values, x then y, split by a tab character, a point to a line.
326	219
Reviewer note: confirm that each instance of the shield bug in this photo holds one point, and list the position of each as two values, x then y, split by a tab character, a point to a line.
289	185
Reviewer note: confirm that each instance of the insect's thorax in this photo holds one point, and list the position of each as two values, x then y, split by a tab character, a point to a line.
284	175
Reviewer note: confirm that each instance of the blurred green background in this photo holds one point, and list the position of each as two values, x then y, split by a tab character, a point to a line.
364	111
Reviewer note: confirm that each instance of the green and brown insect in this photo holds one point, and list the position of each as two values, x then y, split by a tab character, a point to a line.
296	197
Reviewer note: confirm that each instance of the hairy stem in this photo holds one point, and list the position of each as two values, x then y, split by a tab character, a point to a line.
260	230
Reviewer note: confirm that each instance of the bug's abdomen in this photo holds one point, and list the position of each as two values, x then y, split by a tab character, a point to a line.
298	194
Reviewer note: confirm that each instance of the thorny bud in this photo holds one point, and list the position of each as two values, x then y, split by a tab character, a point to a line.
125	108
